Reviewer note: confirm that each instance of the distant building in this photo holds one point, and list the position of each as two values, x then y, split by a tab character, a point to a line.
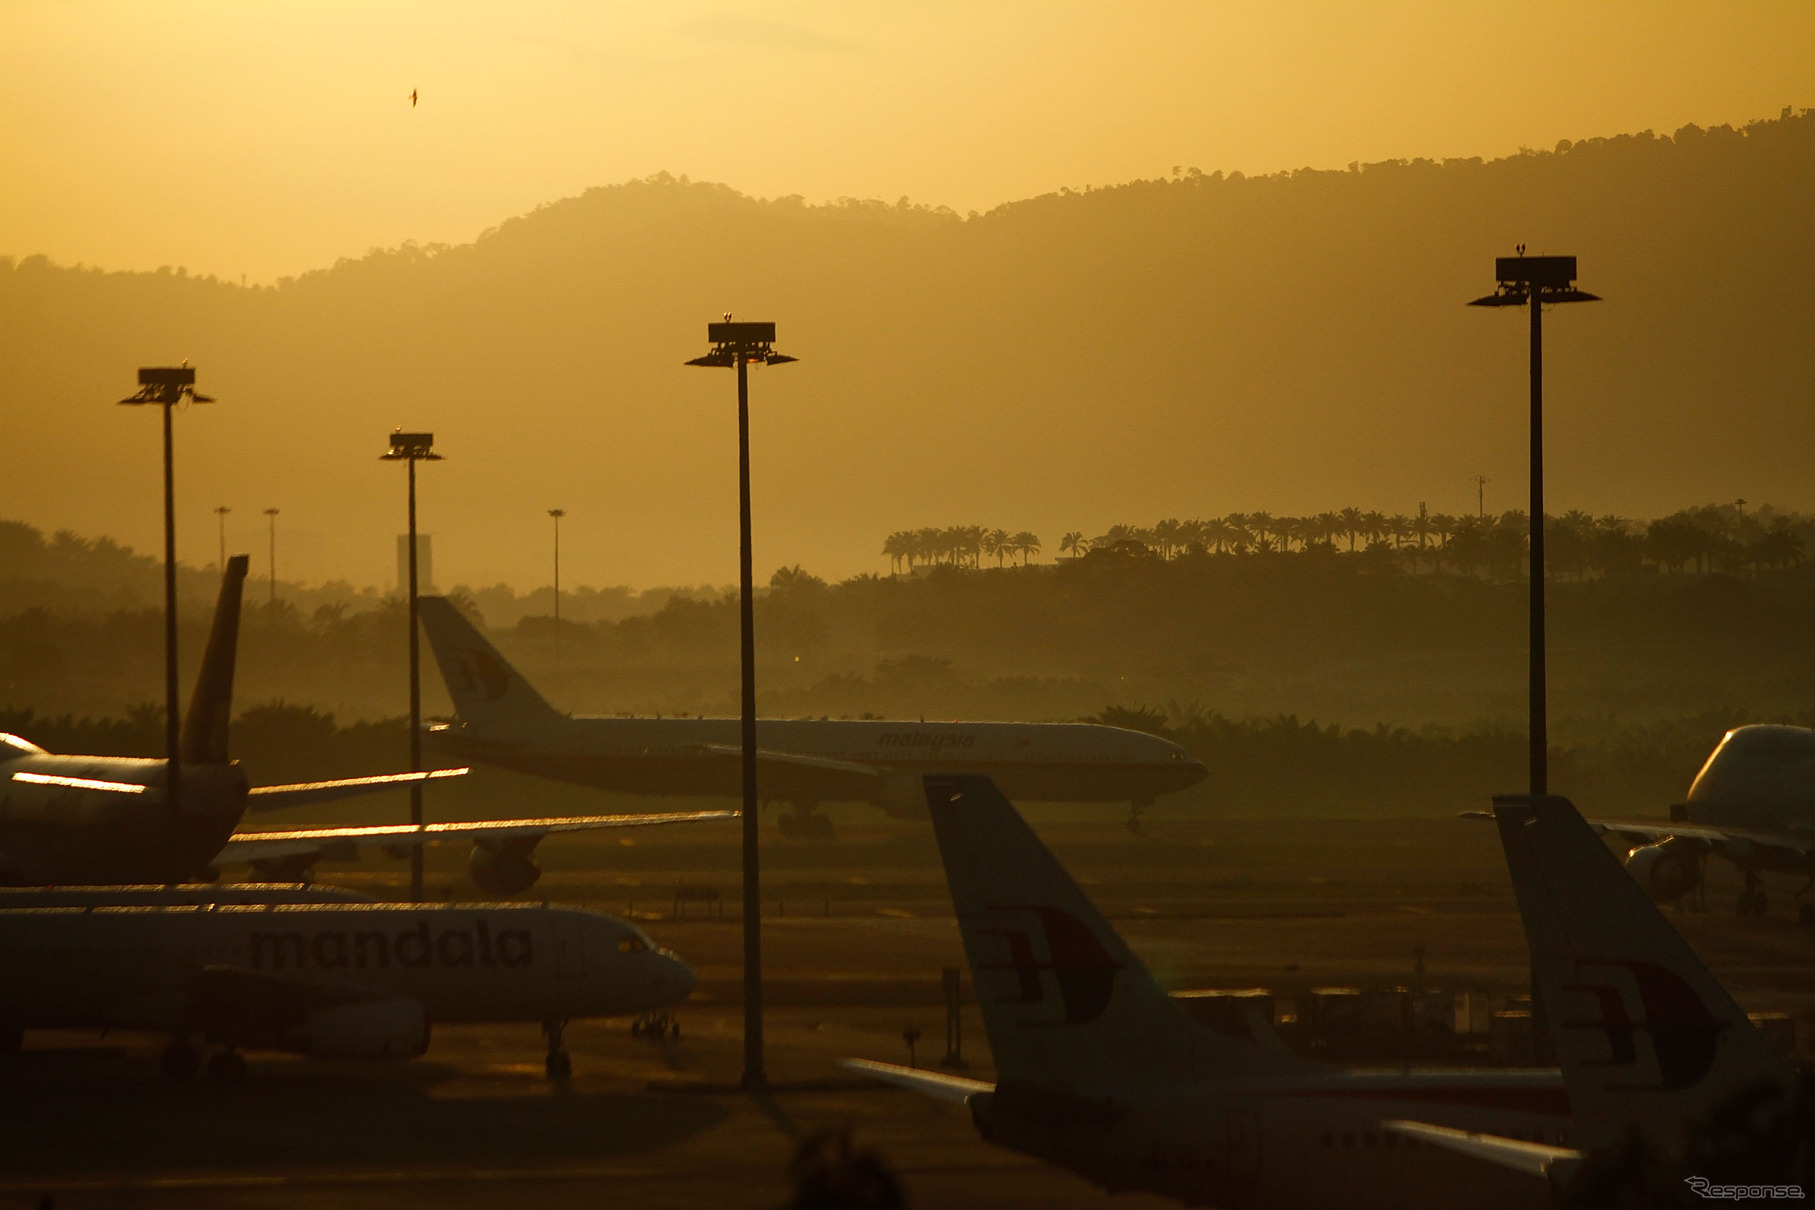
425	564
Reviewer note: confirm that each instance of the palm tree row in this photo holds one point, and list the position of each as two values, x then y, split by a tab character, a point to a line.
959	546
1722	538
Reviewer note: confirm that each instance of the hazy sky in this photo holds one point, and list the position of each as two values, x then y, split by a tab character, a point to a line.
270	138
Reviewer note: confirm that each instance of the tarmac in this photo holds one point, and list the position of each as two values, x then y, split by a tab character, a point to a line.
857	931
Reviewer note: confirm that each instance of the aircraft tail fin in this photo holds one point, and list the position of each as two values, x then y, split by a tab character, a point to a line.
1065	1003
1647	1037
204	735
485	688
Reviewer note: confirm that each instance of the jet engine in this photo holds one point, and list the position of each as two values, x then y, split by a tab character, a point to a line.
380	1029
1667	870
505	867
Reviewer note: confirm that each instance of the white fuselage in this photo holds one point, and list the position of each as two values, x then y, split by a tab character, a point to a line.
874	761
137	967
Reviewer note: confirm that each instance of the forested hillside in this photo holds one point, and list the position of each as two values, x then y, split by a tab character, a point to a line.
1177	347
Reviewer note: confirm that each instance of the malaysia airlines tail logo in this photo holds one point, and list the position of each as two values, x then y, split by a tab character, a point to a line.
1082	971
478	670
1683	1033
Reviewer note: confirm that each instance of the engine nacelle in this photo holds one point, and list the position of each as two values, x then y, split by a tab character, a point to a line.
1667	870
379	1030
504	867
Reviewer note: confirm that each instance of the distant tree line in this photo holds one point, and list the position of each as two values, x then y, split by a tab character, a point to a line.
1710	538
959	546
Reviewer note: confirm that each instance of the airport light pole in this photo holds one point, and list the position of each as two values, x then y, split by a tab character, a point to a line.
740	344
271	517
165	387
413	448
1532	282
557	514
221	512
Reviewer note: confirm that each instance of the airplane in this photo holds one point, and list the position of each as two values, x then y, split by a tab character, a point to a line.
325	980
1654	1052
1752	803
1101	1072
68	819
501	720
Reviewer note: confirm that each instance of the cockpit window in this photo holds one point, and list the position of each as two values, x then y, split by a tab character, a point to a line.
632	945
12	745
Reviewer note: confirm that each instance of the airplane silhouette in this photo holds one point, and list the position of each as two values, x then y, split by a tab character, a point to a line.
412	98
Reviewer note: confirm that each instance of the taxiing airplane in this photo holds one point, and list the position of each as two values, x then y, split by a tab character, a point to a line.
1752	804
68	819
501	720
1654	1052
332	981
1101	1072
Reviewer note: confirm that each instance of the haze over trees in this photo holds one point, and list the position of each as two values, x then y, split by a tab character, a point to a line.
1176	347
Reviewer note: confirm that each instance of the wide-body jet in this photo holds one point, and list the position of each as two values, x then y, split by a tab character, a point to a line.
500	719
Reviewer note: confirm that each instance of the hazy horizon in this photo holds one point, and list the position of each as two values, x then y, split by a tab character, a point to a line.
282	137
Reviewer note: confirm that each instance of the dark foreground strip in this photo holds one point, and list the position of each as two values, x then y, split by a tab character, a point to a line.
299	1180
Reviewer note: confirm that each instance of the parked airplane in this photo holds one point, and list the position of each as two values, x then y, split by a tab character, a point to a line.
106	819
1654	1052
502	720
333	981
1752	804
1101	1072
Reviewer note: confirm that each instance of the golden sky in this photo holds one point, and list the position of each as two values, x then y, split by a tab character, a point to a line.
270	138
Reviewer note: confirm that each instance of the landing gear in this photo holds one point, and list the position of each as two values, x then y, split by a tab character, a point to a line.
225	1067
1752	901
656	1025
180	1062
1134	813
806	823
558	1064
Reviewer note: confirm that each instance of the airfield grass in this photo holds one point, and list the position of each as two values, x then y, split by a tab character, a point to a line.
856	933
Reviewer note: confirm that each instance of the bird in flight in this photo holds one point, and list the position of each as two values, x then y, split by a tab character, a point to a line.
412	98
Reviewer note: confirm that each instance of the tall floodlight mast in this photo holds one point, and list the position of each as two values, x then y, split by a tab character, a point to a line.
740	345
1533	282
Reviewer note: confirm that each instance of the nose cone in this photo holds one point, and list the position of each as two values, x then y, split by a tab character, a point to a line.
675	980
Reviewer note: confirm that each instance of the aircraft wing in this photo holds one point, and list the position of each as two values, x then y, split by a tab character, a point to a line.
270	798
954	1090
342	844
1533	1159
1803	844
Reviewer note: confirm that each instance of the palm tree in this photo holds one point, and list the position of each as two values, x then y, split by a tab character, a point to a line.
1399	527
897	546
1026	543
995	542
1350	522
1073	543
1262	525
1373	526
1165	536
